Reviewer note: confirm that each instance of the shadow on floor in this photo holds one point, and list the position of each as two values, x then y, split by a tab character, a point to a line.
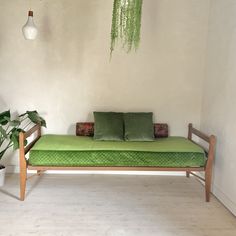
33	184
9	194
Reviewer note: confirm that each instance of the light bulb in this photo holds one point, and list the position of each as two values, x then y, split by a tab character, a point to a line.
29	30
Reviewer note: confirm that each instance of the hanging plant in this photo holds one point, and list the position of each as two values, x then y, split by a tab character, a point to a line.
126	24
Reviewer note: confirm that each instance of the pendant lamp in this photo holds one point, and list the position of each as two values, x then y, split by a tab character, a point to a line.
29	30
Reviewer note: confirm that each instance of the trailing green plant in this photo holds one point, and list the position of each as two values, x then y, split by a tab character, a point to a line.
11	128
126	24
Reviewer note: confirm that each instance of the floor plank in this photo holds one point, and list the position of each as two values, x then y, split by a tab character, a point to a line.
112	205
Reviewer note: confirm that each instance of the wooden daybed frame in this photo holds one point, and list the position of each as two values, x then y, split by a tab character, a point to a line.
24	166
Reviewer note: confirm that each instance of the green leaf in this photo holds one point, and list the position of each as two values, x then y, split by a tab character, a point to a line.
3	132
2	153
25	142
14	123
15	142
14	137
22	114
4	117
7	118
35	118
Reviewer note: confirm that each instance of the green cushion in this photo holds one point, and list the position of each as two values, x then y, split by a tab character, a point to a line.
138	126
108	126
68	150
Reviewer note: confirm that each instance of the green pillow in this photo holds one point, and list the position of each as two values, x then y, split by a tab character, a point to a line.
108	126
139	126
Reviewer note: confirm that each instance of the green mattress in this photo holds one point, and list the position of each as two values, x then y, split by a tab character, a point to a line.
68	150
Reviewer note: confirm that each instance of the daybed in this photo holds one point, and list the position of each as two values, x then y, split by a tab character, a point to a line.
82	152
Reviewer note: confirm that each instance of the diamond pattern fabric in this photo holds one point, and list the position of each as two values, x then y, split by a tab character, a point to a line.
68	150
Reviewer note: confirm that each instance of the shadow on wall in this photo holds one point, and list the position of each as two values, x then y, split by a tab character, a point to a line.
72	129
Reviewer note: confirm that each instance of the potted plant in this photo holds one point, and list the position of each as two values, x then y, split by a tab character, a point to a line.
10	130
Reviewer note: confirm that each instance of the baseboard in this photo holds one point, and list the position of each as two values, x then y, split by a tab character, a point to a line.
224	199
15	169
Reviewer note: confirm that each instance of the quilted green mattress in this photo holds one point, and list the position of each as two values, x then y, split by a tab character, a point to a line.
68	150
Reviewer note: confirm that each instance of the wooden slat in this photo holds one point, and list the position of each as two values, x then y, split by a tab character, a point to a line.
107	168
31	131
199	177
200	134
29	146
190	126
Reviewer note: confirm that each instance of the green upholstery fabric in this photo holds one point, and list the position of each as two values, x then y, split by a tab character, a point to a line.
108	126
138	126
68	150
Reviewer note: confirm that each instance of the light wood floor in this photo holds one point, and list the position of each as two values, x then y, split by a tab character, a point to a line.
112	205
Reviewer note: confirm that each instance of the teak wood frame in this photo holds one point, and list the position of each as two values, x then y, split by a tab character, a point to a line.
24	166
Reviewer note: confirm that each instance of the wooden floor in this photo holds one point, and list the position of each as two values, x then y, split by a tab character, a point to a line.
112	205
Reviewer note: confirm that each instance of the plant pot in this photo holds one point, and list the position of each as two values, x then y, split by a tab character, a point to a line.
2	175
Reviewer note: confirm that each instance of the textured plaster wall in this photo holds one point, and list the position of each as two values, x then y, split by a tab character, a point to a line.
219	99
66	74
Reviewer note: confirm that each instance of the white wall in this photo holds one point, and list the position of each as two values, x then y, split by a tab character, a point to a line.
65	73
219	99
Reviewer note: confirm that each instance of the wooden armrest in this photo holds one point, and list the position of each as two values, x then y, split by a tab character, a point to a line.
199	134
211	140
32	130
23	136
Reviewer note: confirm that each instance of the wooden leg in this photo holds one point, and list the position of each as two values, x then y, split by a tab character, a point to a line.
23	176
208	175
208	169
23	166
187	174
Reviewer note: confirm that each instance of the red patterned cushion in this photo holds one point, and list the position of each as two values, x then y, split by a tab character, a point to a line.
161	130
87	129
